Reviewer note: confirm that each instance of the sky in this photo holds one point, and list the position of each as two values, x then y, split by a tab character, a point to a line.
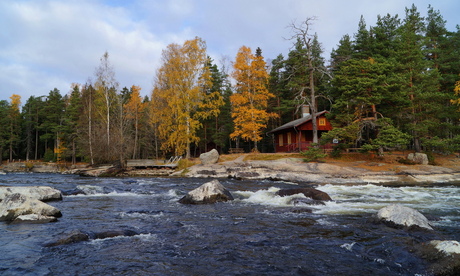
47	44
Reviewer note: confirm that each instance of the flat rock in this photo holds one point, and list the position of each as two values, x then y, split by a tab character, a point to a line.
42	193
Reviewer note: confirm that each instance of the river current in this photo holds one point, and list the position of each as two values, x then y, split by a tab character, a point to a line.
259	233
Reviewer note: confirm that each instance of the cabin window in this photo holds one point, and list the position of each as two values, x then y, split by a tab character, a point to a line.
289	138
322	121
280	140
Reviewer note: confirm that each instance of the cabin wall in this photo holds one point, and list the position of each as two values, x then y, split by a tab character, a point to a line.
291	139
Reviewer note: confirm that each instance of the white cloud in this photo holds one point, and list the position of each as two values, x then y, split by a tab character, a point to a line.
52	43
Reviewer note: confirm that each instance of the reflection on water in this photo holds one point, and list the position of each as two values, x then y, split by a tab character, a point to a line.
258	233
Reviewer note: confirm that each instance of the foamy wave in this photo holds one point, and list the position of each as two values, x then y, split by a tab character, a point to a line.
267	197
369	198
142	215
348	246
111	194
142	237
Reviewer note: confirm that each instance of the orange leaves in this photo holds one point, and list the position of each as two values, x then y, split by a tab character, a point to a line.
250	100
179	98
457	93
15	102
134	106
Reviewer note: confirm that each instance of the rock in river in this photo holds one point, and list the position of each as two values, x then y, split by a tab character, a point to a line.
210	192
42	193
16	205
404	216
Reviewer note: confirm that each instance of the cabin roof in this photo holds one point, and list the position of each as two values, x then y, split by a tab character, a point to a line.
296	123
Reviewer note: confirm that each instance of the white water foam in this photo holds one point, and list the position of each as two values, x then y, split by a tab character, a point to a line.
141	237
370	198
348	246
141	215
111	194
267	197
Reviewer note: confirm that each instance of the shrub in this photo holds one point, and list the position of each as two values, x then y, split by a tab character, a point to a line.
49	156
313	154
184	164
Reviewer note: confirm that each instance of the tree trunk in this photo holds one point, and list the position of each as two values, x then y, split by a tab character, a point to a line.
90	134
74	157
136	131
313	102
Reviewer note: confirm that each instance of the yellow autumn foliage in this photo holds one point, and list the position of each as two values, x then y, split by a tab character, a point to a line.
250	100
457	93
179	99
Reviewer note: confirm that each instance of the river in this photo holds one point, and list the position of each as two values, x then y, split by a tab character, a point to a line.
258	233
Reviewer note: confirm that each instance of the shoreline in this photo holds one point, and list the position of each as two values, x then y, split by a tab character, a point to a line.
291	168
295	170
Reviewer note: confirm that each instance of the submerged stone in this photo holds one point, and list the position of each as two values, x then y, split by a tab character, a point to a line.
308	192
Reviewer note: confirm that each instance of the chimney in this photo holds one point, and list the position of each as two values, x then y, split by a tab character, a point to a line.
305	110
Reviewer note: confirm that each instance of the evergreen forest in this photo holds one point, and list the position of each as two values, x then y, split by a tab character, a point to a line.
392	85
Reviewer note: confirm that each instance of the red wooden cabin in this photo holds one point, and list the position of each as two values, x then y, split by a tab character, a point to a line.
297	135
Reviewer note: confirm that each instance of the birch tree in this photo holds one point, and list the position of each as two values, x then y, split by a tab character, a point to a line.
106	88
250	100
179	93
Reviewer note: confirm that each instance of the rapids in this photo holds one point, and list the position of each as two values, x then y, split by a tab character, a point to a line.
258	233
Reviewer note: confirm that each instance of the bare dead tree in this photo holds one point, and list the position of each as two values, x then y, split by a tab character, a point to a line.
303	33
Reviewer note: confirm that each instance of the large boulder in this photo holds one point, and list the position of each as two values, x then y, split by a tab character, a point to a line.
403	216
42	193
210	157
418	158
308	192
210	192
16	205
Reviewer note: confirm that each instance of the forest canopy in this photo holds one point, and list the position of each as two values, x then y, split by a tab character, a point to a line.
391	85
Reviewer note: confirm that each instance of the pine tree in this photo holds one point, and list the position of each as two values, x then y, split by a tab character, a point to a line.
385	37
4	127
421	84
73	109
362	47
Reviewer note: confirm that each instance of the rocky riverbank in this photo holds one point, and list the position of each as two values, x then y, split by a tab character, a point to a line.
289	168
357	172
